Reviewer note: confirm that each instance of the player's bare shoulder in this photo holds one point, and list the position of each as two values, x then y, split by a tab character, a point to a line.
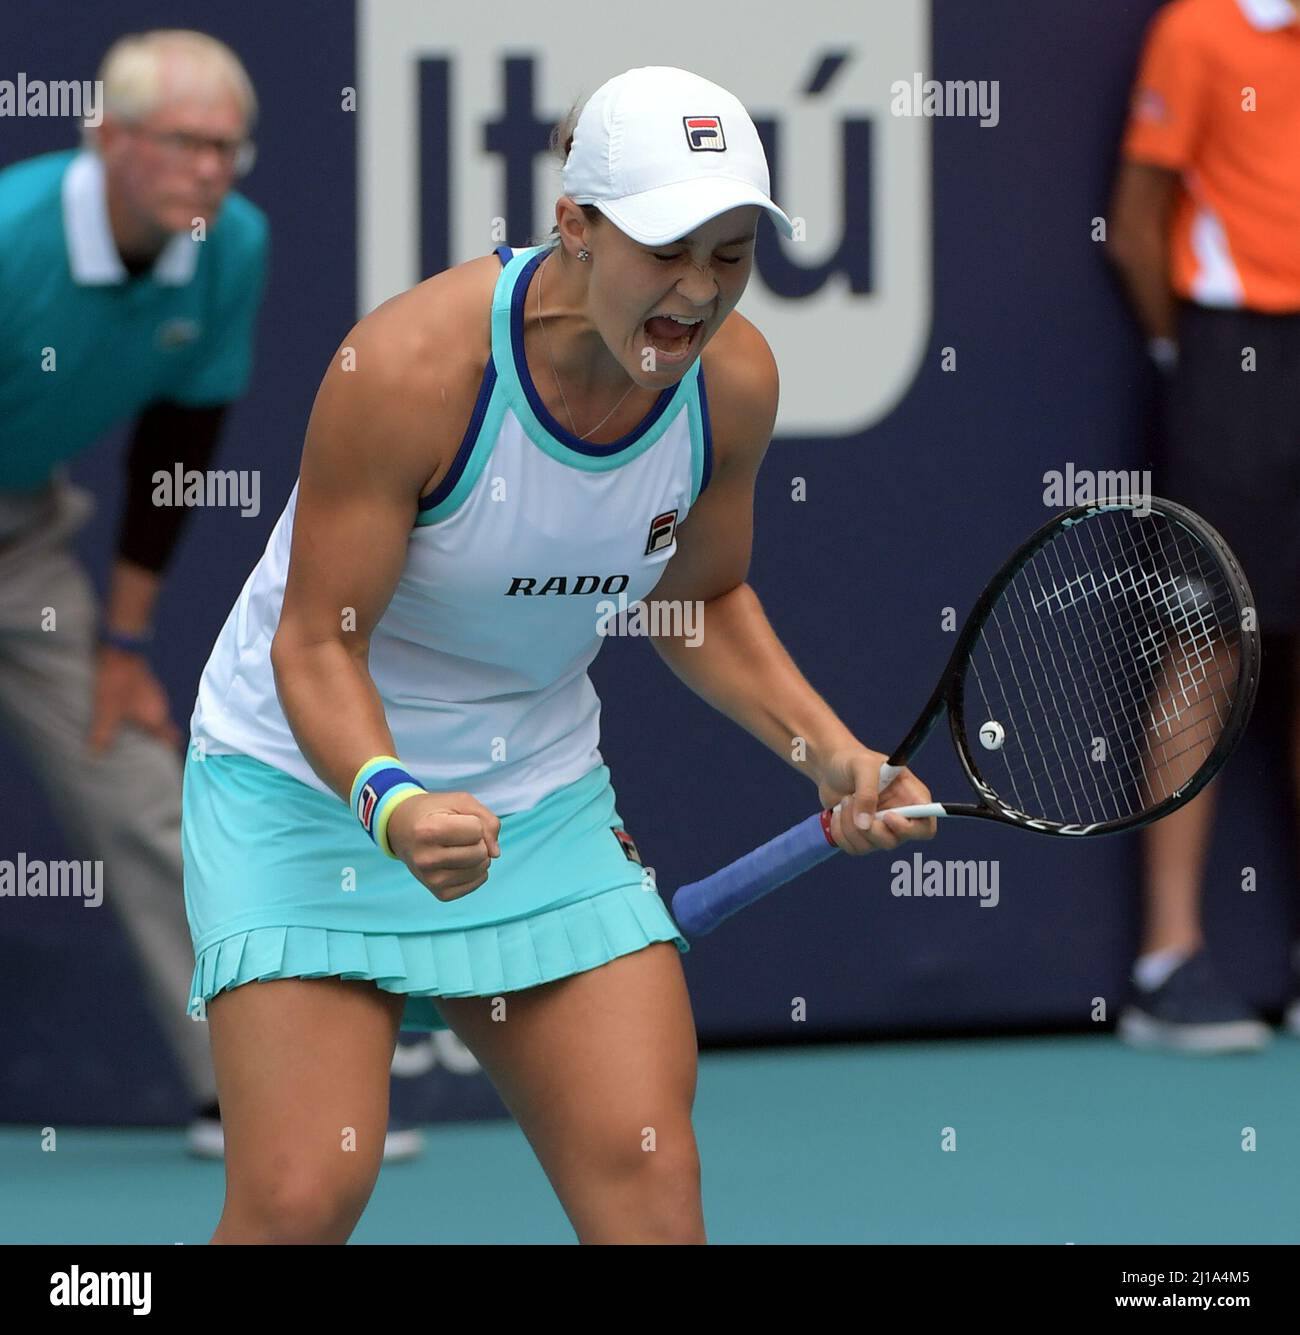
418	361
742	386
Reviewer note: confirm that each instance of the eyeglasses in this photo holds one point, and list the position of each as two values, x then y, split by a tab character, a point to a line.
236	155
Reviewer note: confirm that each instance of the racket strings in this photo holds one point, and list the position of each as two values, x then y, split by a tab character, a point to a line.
1027	773
1110	662
1069	805
1068	672
1203	612
1143	652
1177	582
1084	678
1031	766
1174	581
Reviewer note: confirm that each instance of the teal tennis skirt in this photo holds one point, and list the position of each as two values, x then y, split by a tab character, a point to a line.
281	881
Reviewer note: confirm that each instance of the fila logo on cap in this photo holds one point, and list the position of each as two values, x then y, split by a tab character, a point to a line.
704	134
662	528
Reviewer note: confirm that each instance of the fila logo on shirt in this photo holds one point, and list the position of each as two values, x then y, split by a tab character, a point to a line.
662	529
704	134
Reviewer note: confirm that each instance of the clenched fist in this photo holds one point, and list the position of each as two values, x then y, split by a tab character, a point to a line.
448	841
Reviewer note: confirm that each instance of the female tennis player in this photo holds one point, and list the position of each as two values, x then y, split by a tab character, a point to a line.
396	813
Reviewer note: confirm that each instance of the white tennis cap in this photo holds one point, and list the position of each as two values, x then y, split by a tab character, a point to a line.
659	151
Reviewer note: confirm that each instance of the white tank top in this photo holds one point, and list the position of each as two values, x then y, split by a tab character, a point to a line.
481	656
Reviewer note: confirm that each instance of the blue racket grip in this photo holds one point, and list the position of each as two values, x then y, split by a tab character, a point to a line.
701	905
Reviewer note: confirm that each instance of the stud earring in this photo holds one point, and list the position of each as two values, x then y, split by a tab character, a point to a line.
584	255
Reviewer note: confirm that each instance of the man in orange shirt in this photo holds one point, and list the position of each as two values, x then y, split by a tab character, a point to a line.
1205	231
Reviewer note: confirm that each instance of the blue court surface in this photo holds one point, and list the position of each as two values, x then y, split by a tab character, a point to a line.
1058	1140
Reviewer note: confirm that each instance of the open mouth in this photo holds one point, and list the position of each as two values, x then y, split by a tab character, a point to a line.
672	341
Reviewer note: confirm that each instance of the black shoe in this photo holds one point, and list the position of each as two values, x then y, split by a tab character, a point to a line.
1193	1010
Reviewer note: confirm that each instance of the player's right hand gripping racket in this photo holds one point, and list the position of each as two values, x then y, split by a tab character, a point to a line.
1099	683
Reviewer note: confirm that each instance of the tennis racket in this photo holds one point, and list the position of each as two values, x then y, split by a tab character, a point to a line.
1099	683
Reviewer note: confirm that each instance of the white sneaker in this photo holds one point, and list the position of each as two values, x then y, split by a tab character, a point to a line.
402	1142
205	1139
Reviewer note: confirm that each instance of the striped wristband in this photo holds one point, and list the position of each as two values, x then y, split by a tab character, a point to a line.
381	786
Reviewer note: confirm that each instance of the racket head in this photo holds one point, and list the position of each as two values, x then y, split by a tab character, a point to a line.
1116	657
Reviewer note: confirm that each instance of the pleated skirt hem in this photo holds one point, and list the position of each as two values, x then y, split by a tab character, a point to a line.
479	961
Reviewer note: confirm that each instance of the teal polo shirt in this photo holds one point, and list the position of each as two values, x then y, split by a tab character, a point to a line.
84	346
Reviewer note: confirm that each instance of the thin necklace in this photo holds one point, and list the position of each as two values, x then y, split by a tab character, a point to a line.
556	374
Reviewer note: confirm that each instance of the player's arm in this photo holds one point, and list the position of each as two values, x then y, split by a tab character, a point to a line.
739	666
364	462
378	434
